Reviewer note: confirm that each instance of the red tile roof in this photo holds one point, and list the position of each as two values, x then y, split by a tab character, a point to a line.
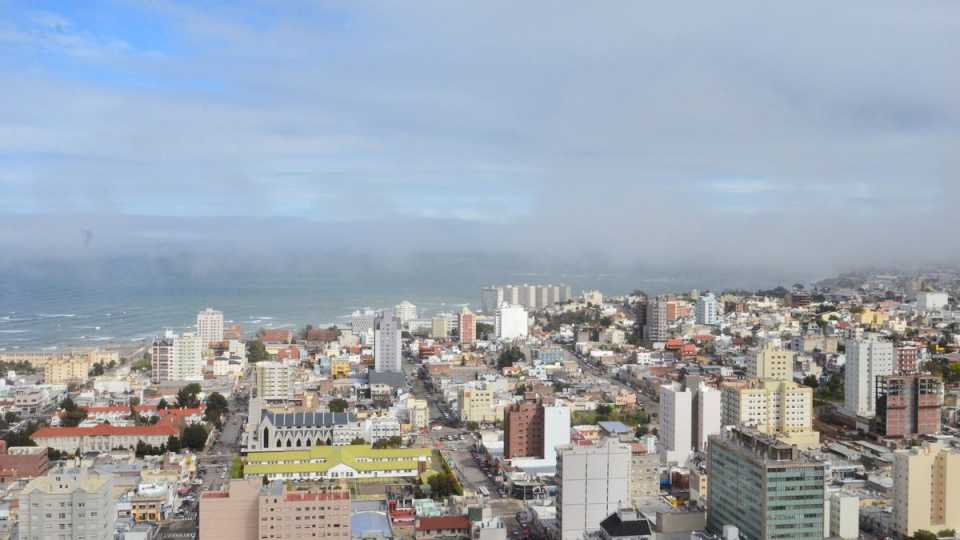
443	523
105	430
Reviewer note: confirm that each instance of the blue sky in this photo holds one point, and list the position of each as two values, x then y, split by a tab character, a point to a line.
722	126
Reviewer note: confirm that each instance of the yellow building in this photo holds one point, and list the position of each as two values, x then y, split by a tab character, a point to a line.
783	409
773	363
926	487
871	318
419	413
340	369
62	371
476	403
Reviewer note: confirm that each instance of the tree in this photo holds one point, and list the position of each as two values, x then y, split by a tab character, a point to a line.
187	396
173	443
11	417
510	356
811	381
236	468
216	407
472	426
442	485
96	370
194	437
257	352
484	331
338	405
924	535
162	404
947	533
305	332
71	415
359	440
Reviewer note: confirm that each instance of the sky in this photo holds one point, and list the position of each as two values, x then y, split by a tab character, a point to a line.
798	137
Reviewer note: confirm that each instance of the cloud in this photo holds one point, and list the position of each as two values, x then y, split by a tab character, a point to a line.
807	137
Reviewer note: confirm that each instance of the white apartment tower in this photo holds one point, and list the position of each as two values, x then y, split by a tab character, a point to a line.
210	326
387	352
556	430
867	359
177	358
405	311
706	312
676	423
275	381
594	482
68	503
511	322
656	327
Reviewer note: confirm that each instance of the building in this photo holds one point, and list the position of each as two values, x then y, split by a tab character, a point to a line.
338	463
287	513
593	482
362	321
932	301
20	463
797	298
418	413
442	528
210	326
783	409
772	362
511	322
440	327
248	510
103	437
281	430
908	357
387	354
843	516
523	430
468	327
908	405
68	503
475	402
656	328
177	358
707	310
625	524
405	311
377	428
644	474
867	359
161	359
764	487
275	381
926	489
490	299
676	423
233	513
66	370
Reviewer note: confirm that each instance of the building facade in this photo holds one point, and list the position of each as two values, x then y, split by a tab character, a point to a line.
511	322
68	503
280	430
780	408
593	482
338	463
867	359
655	329
405	311
707	310
103	437
764	487
772	362
908	405
387	352
926	489
475	401
468	327
275	381
210	326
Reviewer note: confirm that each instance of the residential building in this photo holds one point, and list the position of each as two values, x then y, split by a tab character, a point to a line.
511	322
468	327
932	301
161	359
523	430
406	312
842	516
773	363
783	409
387	352
288	513
233	513
440	327
338	462
210	326
556	430
418	414
442	528
907	359
377	428
656	328
689	414
593	482
103	437
66	370
68	503
644	474
490	299
625	524
475	402
275	381
362	321
908	405
706	311
764	487
867	359
798	298
177	358
926	489
21	463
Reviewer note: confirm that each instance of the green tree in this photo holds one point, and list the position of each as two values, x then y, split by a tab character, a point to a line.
236	468
484	331
472	426
96	370
71	415
187	396
811	381
162	404
947	533
924	535
509	357
257	352
194	437
337	405
359	440
443	485
216	407
173	443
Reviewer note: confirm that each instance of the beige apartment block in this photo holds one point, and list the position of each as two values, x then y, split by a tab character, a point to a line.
772	362
783	409
926	486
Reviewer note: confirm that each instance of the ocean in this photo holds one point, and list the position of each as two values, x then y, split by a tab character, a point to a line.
122	302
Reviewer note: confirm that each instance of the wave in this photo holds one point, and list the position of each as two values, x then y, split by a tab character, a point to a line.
13	331
56	315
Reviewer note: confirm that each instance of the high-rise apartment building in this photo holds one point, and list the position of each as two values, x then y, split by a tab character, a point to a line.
908	357
275	381
523	430
644	474
593	481
764	487
908	405
475	400
387	352
707	310
511	322
210	326
440	327
932	301
689	414
656	327
783	409
490	299
68	503
177	358
362	321
530	297
926	489
468	327
773	363
867	359
405	311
